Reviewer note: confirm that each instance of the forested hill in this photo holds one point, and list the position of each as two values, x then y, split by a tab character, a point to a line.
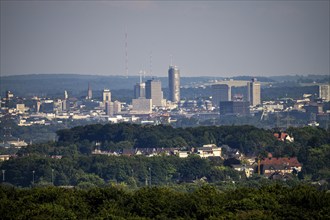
247	139
70	160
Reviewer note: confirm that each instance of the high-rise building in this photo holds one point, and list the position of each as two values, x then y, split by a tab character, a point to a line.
89	92
9	95
154	92
253	92
139	90
66	96
106	96
37	106
116	107
324	92
174	83
109	108
220	93
58	105
64	105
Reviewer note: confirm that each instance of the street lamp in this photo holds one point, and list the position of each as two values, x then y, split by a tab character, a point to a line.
150	175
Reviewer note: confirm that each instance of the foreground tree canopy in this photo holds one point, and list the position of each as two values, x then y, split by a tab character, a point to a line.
205	202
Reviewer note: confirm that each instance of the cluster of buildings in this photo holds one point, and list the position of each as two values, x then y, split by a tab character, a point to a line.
270	167
229	98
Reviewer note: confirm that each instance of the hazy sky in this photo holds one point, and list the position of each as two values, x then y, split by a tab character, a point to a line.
216	38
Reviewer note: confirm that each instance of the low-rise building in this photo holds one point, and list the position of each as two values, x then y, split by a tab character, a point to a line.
209	150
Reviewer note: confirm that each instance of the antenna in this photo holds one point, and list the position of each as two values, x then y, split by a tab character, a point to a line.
140	73
144	71
171	57
126	54
150	63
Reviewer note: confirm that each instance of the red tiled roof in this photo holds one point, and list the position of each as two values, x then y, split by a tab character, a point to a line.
281	135
293	161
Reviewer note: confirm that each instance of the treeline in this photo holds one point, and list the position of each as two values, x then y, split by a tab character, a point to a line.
100	170
37	163
247	139
205	202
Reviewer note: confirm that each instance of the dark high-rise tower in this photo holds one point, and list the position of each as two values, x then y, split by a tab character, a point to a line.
220	93
174	83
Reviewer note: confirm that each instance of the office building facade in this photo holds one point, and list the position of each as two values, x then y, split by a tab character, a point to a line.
174	84
106	96
116	107
142	106
154	92
253	92
324	92
139	90
109	108
220	93
234	108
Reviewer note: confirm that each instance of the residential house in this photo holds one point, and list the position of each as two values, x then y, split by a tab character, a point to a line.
281	166
247	169
283	136
4	157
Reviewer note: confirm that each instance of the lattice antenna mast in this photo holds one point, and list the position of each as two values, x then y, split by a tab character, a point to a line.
150	64
126	55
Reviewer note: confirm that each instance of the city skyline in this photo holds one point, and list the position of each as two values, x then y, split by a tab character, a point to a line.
259	38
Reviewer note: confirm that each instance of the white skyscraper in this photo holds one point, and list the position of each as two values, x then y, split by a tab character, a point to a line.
174	83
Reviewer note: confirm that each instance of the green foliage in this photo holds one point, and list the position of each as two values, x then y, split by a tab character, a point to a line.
78	167
204	202
247	139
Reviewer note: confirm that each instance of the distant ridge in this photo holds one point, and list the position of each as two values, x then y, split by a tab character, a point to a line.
76	84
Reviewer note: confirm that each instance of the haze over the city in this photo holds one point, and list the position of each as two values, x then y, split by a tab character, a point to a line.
203	38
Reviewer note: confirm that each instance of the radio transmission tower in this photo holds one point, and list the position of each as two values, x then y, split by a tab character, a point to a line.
126	55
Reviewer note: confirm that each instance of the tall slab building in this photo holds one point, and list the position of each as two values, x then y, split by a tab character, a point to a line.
139	90
174	83
106	96
324	92
220	93
253	92
154	92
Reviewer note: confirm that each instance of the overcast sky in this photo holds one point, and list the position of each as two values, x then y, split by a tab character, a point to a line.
216	38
